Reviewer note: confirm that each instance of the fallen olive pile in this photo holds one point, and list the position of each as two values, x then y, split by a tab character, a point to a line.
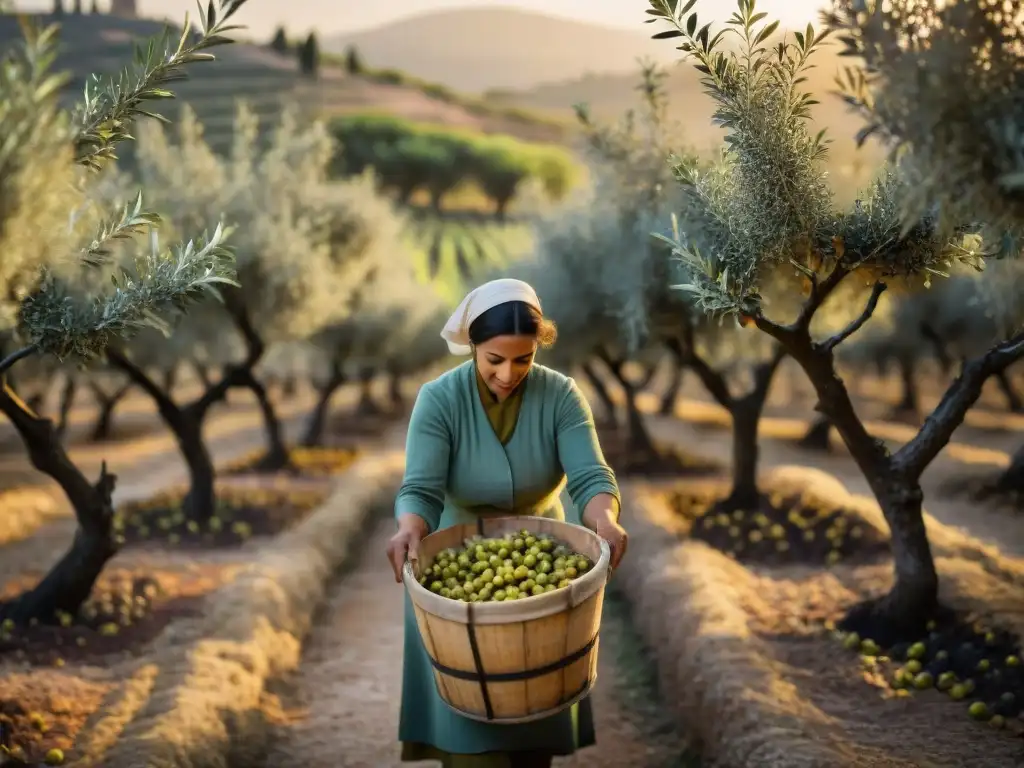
241	513
512	567
306	462
112	609
971	664
783	529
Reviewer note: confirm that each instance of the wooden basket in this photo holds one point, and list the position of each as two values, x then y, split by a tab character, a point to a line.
520	660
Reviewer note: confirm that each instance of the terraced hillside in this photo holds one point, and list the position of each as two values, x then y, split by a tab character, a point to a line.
454	249
267	81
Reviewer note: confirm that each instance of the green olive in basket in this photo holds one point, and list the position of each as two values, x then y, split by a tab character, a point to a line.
511	567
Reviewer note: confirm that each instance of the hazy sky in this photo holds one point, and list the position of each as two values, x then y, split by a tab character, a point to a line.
327	16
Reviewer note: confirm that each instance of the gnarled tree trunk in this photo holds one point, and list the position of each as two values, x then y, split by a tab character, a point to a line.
186	423
106	402
317	423
1011	480
817	437
367	406
910	403
170	375
395	397
67	402
671	394
68	584
276	456
745	412
1013	401
639	443
607	416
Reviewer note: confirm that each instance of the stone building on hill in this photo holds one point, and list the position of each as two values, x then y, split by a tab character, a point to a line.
127	8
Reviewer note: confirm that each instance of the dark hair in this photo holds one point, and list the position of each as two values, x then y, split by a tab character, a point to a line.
512	318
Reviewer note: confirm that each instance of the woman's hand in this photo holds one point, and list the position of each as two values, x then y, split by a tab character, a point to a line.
600	516
404	545
617	539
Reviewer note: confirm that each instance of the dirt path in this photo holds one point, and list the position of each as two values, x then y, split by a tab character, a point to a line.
344	700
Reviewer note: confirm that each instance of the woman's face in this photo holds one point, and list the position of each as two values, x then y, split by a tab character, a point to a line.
504	361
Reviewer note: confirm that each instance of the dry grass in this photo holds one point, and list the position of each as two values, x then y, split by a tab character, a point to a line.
208	704
54	678
304	462
760	681
46	709
25	510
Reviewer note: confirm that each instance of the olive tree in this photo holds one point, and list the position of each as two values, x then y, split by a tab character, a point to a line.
302	243
773	215
108	390
596	263
394	327
56	236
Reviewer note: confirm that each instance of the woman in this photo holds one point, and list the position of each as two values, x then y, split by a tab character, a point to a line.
498	434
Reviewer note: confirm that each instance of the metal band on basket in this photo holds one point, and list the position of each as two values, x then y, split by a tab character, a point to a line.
506	677
474	647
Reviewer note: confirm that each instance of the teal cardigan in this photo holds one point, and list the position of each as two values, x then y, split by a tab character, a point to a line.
456	467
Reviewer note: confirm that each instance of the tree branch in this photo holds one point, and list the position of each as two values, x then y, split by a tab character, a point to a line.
8	362
914	457
765	372
169	410
820	291
49	457
714	382
939	345
796	337
239	374
869	309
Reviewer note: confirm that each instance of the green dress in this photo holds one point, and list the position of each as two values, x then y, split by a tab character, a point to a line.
467	453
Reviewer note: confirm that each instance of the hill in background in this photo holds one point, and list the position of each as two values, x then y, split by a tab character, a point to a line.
268	81
103	44
476	49
564	63
611	95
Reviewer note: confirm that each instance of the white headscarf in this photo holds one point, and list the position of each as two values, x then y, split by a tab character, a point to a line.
478	301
